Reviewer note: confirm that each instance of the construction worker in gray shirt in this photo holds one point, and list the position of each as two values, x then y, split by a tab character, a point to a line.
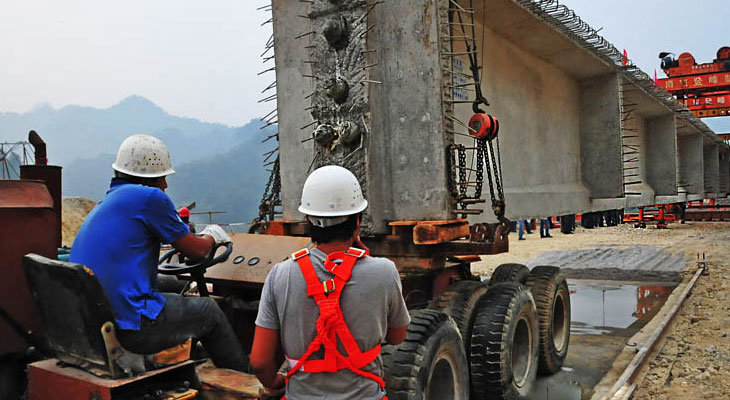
326	310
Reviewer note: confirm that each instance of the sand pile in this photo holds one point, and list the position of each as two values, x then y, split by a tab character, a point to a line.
75	210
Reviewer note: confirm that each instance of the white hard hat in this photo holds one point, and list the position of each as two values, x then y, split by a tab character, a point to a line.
143	156
331	194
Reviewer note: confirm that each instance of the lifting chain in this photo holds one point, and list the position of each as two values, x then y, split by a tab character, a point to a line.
484	154
270	200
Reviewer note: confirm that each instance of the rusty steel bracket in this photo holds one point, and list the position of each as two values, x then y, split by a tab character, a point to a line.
431	232
121	362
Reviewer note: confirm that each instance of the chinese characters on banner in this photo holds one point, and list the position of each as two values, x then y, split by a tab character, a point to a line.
697	82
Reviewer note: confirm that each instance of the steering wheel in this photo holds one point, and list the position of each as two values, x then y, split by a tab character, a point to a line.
197	270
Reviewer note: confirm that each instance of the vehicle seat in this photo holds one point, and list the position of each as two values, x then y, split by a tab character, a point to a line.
79	323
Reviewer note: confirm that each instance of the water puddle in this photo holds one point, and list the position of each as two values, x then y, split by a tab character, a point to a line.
605	314
610	307
563	391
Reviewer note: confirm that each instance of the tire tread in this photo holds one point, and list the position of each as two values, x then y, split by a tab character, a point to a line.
543	282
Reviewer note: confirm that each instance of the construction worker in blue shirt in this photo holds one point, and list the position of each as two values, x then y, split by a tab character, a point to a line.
120	241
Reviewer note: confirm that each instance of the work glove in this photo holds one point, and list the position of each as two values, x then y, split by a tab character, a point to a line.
217	233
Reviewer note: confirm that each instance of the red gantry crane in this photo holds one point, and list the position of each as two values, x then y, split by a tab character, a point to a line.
703	88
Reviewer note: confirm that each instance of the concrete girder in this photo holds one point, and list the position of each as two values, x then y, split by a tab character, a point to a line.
724	172
558	107
711	166
649	136
295	150
691	163
561	98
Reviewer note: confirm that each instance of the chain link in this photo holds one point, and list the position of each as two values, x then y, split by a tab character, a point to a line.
271	198
480	170
484	153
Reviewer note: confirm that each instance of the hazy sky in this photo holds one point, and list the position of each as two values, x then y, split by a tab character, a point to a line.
192	58
200	58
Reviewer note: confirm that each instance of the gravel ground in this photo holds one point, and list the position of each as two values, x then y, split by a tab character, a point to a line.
694	363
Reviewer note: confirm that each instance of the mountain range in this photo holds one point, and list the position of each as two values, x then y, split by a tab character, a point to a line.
218	166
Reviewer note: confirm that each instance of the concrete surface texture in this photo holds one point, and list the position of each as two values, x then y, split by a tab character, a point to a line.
691	169
724	172
571	117
711	164
407	152
661	144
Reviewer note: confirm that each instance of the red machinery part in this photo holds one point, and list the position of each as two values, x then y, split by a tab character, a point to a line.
686	60
483	126
723	54
686	65
29	226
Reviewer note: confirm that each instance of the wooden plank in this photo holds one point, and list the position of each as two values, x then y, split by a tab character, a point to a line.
424	233
221	383
436	222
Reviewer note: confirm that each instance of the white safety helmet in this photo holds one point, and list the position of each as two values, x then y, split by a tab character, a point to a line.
143	156
330	195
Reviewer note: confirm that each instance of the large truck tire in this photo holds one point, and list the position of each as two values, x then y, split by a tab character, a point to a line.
509	273
460	301
504	344
552	297
430	364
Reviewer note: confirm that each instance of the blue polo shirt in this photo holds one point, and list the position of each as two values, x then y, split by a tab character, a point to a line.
120	241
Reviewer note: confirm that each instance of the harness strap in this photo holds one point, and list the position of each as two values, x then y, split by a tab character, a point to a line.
331	323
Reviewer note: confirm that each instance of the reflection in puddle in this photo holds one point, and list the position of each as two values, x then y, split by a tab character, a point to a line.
604	307
563	391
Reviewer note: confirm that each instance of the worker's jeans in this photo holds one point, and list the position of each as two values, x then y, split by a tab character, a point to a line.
544	227
188	317
521	228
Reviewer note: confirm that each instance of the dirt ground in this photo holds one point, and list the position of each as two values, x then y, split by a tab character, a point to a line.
75	209
695	359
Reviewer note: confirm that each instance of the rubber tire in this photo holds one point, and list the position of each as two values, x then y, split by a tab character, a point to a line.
509	273
550	291
460	301
433	340
506	310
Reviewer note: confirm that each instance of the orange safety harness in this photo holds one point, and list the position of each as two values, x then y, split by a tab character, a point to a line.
331	323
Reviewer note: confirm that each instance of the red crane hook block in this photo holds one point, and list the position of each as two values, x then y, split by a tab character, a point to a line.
483	126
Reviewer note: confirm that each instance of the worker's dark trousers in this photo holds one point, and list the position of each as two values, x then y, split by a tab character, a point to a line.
188	317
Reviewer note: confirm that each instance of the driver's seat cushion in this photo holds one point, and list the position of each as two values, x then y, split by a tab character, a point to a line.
74	308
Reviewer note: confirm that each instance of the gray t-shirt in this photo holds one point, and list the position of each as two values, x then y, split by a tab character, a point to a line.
371	303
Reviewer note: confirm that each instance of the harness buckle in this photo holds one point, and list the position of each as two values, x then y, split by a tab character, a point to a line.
327	284
299	254
355	252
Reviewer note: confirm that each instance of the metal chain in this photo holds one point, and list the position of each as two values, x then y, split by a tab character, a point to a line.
497	179
480	170
271	197
462	172
451	168
499	163
482	148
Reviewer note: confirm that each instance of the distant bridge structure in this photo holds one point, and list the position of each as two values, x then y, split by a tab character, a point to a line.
12	156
